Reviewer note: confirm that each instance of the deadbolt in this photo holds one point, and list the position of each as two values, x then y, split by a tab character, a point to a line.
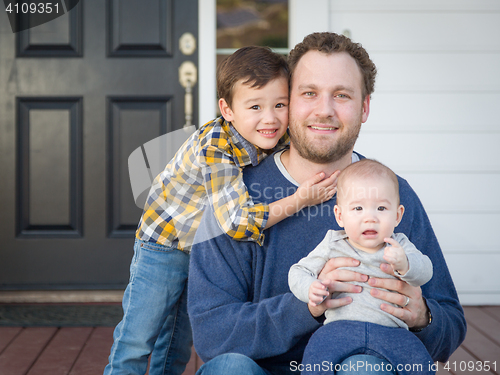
187	43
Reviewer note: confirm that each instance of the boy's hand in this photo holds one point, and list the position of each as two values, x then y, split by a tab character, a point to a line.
396	257
317	189
317	293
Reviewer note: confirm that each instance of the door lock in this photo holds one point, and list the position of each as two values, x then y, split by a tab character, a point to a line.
187	78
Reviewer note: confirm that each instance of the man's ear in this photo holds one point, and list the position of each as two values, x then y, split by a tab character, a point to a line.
399	214
366	109
225	110
338	216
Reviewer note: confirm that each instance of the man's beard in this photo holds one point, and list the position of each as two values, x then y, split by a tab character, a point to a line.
333	152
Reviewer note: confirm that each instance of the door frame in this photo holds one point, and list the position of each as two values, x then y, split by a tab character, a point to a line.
207	25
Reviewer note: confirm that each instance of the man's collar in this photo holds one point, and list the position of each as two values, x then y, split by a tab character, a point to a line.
277	159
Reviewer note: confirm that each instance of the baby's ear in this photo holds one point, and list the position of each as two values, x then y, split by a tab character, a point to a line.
338	215
399	214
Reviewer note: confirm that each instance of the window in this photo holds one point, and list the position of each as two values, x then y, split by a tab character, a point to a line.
243	23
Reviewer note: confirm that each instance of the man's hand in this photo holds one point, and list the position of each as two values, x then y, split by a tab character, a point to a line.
413	311
335	280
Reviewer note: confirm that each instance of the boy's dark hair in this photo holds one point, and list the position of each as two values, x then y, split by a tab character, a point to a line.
331	43
255	65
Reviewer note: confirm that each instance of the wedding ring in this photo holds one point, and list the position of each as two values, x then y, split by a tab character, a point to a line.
407	302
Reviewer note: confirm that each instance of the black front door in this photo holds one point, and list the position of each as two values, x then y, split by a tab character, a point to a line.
78	95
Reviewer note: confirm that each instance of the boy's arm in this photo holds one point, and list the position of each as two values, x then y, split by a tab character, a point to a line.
314	191
233	207
235	210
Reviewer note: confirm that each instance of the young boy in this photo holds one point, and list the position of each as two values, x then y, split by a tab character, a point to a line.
252	86
368	209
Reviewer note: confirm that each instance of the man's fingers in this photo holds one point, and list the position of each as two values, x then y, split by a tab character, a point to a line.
339	286
343	275
394	298
387	268
335	263
337	302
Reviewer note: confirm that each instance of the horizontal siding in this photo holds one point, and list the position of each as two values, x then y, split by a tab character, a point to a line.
423	31
433	116
425	71
433	112
443	152
466	233
413	6
458	193
476	277
434	120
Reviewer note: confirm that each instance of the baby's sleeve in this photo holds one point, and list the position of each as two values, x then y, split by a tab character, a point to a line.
420	266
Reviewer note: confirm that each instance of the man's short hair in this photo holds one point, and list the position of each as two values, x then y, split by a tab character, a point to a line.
330	43
366	168
255	65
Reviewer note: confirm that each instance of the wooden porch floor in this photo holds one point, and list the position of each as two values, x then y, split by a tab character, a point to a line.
84	350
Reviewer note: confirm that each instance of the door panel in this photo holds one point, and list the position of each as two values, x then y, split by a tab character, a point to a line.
78	94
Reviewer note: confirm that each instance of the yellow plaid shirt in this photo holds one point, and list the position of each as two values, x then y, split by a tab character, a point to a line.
207	169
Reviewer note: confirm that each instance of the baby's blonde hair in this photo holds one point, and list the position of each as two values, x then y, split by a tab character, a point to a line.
366	168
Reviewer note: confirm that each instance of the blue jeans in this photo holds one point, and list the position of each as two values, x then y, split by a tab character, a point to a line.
400	349
155	320
241	365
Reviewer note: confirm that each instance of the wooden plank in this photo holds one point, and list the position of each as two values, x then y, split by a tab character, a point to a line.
191	366
94	356
199	362
481	347
493	311
19	356
483	322
441	370
7	334
62	351
459	361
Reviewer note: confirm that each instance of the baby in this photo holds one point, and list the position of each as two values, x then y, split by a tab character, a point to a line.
368	209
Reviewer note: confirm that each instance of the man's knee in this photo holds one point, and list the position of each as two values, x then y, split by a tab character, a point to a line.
231	363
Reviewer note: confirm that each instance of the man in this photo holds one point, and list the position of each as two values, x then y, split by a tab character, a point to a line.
244	318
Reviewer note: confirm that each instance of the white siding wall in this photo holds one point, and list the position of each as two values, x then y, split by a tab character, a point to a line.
434	115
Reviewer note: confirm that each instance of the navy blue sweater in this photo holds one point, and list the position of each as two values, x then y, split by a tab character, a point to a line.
239	300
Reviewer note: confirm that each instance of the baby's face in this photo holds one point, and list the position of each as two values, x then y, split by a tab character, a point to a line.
368	211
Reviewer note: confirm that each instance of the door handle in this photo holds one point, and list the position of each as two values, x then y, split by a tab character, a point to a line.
187	78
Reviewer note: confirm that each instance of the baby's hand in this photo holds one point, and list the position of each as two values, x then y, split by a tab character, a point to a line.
317	293
396	257
317	189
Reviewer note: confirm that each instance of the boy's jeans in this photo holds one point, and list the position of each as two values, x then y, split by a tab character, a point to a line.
155	316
